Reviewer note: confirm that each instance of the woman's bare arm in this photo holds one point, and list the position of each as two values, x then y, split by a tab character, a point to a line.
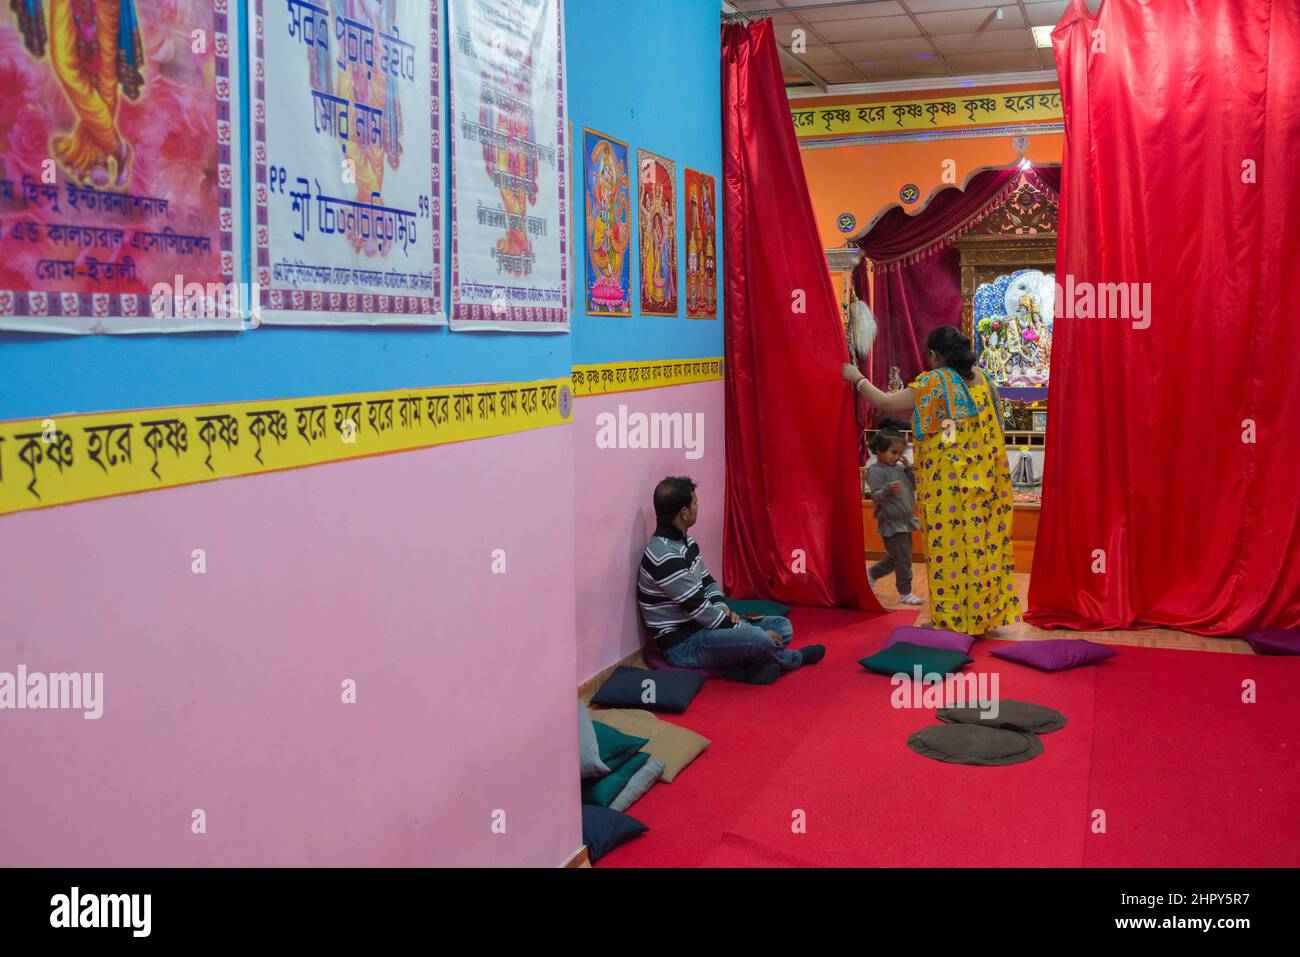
891	403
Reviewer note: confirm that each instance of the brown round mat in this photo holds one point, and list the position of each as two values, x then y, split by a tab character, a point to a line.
973	744
1012	715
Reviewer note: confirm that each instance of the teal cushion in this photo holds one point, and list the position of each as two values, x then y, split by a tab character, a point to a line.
604	791
753	606
616	748
904	657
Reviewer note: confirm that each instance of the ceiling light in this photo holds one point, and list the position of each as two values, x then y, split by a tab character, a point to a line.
1000	14
1042	36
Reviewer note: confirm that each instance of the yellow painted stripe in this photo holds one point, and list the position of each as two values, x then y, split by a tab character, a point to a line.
74	458
629	376
984	109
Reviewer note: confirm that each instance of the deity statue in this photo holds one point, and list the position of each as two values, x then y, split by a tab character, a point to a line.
95	49
1014	329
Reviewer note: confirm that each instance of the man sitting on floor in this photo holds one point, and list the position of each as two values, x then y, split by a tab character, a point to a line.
683	608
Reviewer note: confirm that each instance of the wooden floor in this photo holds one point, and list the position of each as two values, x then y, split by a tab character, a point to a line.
1023	631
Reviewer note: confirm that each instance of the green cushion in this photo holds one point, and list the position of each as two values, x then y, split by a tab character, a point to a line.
753	606
905	656
616	748
604	791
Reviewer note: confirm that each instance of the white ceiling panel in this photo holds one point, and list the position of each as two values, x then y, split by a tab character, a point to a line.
969	21
1010	61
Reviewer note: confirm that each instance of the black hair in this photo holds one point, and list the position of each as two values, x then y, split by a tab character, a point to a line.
671	496
953	348
883	439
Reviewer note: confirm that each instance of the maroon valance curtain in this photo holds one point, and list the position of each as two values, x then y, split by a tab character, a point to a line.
793	523
1170	479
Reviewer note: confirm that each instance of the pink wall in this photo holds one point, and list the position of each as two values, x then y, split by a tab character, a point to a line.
615	515
222	691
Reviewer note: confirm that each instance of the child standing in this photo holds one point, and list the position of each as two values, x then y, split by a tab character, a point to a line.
893	499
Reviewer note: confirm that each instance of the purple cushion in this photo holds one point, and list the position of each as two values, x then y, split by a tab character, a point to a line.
1275	641
1055	654
656	661
930	638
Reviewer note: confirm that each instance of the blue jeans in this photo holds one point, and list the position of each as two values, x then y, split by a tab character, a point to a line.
746	643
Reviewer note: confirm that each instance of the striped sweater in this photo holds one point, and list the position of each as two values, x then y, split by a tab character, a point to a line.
677	595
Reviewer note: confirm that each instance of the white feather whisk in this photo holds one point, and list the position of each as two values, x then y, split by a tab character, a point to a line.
862	329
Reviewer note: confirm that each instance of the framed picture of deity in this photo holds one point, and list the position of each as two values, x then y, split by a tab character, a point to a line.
607	192
701	246
657	207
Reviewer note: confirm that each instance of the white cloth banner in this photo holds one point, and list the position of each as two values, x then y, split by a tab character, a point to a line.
348	157
509	178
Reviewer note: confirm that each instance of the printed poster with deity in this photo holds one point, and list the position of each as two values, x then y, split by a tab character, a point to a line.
509	235
701	246
657	200
118	206
348	158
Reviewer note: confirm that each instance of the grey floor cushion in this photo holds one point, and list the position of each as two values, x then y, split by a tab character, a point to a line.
638	785
972	744
1011	715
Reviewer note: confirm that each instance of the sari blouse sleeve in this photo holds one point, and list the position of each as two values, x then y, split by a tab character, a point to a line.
931	406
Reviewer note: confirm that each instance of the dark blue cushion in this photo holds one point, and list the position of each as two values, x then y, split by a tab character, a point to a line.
667	690
603	830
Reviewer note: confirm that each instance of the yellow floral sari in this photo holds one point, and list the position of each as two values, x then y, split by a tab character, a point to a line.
964	496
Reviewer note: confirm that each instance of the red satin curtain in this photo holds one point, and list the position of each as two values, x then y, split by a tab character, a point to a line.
1182	135
793	525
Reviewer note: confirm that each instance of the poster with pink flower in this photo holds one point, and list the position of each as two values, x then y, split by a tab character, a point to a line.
118	202
348	161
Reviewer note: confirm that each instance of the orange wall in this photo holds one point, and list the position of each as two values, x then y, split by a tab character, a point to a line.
865	179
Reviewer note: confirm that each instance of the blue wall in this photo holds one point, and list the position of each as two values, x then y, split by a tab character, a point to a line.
647	73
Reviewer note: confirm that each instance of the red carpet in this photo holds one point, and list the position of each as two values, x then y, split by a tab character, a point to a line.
1186	774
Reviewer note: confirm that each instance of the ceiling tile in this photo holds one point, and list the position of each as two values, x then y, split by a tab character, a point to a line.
854	11
785	35
884	49
969	21
843	73
1045	14
820	56
987	42
941	6
908	68
1010	61
880	28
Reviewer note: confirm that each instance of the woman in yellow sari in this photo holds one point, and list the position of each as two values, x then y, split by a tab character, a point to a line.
963	485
